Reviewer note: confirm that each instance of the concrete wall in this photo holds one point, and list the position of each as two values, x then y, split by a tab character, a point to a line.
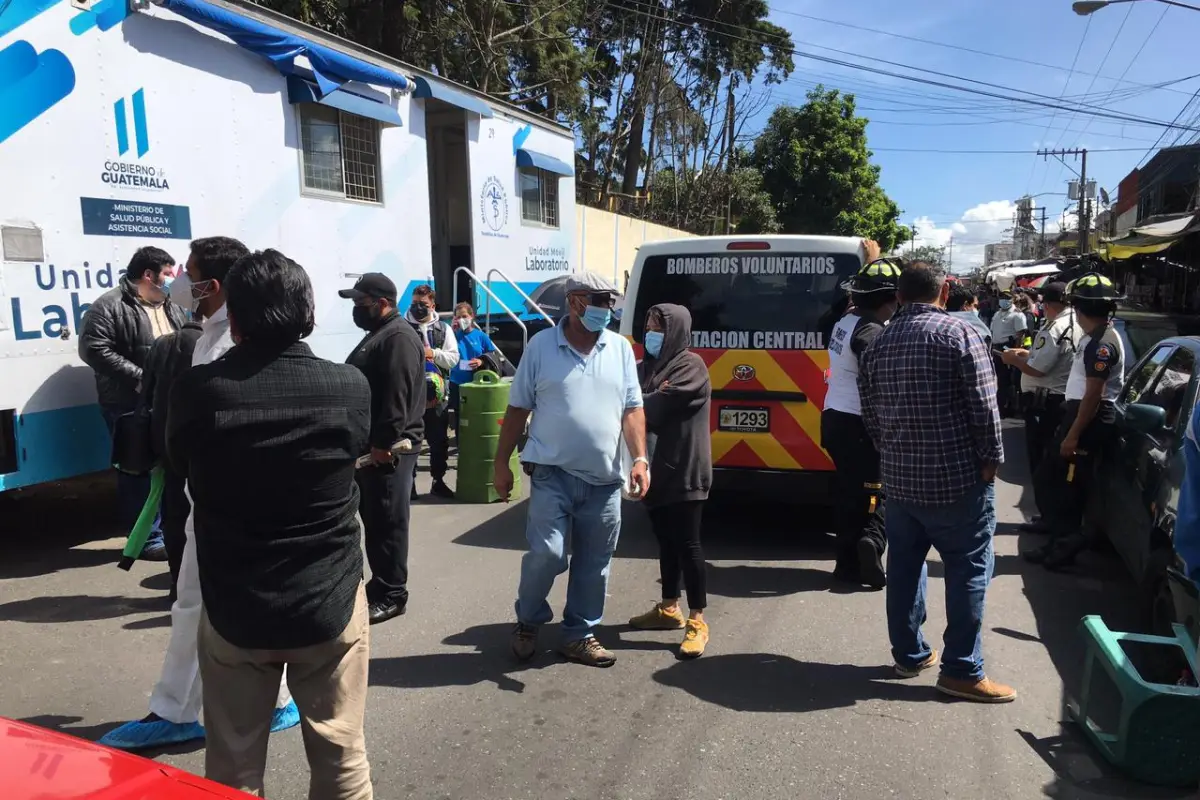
607	243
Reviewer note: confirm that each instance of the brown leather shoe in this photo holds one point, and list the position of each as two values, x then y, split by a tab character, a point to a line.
980	691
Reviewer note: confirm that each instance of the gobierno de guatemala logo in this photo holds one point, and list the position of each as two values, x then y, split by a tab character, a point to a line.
32	82
493	205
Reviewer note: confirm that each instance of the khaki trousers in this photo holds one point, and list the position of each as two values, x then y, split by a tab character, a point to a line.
329	684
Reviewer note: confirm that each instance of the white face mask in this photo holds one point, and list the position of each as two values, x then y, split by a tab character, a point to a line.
181	293
464	323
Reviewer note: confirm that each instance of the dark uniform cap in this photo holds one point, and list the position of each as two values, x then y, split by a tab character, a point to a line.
1054	292
373	284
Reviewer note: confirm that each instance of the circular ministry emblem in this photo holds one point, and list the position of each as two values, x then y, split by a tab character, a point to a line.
493	205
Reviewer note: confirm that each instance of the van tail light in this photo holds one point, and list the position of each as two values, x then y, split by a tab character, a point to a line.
748	246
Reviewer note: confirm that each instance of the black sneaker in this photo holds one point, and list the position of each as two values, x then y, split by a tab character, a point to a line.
412	494
155	549
870	564
383	610
440	489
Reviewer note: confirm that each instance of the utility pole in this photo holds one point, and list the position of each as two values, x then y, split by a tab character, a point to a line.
912	243
1042	241
1084	226
729	135
950	265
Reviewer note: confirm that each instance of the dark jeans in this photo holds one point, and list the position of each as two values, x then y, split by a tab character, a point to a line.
437	435
859	501
132	490
1008	383
384	509
174	513
677	527
1041	421
962	534
452	407
1061	493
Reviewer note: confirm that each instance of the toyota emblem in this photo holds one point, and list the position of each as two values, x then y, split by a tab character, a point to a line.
743	373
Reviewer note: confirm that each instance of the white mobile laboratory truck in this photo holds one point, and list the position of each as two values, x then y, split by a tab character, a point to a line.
131	124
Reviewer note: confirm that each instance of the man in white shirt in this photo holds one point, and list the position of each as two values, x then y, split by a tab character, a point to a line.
441	354
1008	328
1044	371
176	701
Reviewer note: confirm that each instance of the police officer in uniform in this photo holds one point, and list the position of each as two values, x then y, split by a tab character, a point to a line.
1044	371
1066	470
860	532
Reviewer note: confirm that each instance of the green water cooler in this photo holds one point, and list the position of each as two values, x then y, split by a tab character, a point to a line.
481	407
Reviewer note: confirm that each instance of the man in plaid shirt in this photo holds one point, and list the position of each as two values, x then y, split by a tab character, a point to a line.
928	393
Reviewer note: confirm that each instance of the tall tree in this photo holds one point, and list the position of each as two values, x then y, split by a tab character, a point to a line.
928	253
817	168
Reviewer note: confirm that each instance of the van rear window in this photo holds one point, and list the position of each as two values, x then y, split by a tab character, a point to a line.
781	301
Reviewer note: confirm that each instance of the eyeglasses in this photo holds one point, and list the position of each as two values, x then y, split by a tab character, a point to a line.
599	299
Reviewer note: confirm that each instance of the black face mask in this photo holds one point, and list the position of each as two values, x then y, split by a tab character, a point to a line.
367	317
419	311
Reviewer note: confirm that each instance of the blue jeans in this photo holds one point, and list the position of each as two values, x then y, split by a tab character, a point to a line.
132	490
962	534
564	508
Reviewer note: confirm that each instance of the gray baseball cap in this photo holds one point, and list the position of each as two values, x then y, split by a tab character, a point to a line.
590	282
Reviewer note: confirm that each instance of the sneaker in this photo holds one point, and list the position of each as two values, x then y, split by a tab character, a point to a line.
152	732
657	619
413	495
524	641
980	691
930	662
286	717
588	651
694	640
440	489
384	610
870	564
155	549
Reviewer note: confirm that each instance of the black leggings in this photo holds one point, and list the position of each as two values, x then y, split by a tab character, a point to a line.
677	527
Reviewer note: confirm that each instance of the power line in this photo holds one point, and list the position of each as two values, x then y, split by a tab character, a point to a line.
1033	98
1067	85
993	152
947	45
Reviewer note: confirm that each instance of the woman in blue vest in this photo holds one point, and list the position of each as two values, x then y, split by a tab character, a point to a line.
472	344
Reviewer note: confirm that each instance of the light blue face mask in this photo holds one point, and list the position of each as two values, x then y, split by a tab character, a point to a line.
596	319
654	343
1006	304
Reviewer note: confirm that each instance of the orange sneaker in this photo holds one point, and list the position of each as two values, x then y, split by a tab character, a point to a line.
656	619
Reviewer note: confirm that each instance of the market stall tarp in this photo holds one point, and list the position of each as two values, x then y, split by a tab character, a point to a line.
1004	277
1152	238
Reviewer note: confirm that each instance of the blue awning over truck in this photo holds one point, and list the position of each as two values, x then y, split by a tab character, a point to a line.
532	158
331	68
302	91
439	91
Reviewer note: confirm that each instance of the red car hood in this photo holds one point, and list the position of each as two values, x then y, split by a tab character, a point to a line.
37	764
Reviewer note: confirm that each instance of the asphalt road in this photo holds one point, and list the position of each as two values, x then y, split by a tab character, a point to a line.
794	698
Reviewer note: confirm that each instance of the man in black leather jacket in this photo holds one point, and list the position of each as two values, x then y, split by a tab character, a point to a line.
118	330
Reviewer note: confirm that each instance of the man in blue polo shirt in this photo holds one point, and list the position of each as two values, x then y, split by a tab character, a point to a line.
580	380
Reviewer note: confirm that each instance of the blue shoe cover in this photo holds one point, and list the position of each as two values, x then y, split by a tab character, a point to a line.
160	733
286	717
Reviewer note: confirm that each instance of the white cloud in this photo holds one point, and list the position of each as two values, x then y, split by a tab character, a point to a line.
977	226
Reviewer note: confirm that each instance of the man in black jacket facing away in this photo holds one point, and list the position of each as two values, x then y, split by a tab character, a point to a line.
118	331
392	358
267	437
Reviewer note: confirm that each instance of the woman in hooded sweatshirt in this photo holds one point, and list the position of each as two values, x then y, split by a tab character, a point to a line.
677	395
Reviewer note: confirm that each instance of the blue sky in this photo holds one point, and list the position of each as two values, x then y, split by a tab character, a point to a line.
970	197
